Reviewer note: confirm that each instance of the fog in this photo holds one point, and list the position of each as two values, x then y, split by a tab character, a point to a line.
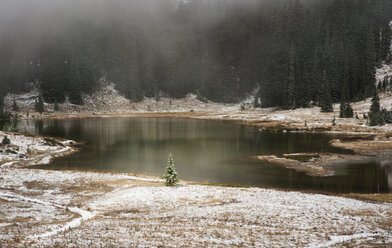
218	49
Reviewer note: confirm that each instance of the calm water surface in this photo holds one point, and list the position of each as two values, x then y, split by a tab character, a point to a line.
205	150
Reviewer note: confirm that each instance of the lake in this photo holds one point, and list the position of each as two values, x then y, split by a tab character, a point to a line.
205	151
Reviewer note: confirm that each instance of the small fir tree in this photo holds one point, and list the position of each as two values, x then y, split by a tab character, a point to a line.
171	175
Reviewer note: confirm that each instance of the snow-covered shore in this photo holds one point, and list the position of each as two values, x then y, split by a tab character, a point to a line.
80	209
25	149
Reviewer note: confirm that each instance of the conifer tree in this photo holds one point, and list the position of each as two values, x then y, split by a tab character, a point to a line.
56	105
39	104
291	104
385	84
349	113
375	117
171	175
342	109
15	106
346	111
370	70
326	99
375	107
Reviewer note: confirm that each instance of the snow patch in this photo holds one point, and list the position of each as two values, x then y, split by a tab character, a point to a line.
341	239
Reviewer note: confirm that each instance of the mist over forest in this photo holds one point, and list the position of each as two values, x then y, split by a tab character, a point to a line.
292	52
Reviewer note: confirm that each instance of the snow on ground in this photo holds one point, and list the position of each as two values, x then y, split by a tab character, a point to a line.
29	149
384	71
108	101
78	209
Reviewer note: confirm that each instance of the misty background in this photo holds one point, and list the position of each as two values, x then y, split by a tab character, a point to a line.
292	52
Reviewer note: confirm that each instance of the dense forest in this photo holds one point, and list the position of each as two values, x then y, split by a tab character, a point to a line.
292	52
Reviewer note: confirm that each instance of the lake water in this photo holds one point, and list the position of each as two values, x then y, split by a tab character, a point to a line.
204	150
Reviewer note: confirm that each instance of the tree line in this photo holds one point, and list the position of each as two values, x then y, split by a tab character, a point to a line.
295	53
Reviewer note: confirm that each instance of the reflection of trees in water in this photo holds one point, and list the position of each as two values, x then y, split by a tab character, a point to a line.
207	150
10	124
387	166
4	125
39	126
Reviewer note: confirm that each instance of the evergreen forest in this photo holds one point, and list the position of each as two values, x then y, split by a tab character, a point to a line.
290	53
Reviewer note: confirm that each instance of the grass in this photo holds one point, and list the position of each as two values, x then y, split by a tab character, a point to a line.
226	185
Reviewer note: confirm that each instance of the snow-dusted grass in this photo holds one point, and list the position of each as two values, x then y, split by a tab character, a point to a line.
26	149
76	209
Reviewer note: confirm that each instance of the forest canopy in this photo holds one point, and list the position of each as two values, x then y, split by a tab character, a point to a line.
291	52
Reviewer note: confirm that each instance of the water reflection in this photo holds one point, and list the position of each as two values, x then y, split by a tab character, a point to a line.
387	166
214	151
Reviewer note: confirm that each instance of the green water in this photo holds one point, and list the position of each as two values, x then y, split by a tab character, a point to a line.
204	150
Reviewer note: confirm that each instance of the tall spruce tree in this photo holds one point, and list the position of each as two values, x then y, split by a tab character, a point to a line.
375	117
15	106
326	99
291	101
39	104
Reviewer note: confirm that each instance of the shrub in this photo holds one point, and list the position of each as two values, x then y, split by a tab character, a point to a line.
6	141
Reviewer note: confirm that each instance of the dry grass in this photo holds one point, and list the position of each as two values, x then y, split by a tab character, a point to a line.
377	198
